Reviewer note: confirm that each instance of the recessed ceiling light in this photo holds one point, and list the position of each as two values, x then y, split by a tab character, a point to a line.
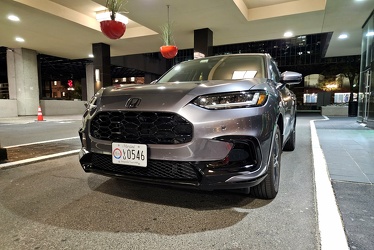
370	33
288	34
20	39
90	55
13	18
343	36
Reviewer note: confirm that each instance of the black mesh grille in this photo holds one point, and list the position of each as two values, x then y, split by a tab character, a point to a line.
155	168
141	127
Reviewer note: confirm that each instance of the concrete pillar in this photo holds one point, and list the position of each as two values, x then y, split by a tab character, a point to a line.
203	43
84	88
23	80
148	78
101	61
90	86
11	69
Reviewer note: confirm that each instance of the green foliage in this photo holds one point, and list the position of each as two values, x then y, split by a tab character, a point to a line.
350	70
326	82
114	6
77	92
167	34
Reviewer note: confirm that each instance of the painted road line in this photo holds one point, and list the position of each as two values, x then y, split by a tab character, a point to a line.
41	142
36	159
330	223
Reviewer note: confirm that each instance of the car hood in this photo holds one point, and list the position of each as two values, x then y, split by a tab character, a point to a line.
169	96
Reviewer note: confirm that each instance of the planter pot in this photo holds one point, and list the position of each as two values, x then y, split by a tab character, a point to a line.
353	108
169	51
335	110
113	29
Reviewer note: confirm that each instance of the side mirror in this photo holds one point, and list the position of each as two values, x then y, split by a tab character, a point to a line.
289	77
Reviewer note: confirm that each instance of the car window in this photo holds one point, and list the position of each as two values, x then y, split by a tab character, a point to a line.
240	67
195	70
217	68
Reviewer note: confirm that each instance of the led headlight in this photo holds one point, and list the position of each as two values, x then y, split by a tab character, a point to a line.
232	100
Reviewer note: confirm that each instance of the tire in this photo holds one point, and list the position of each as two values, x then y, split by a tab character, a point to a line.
268	188
291	142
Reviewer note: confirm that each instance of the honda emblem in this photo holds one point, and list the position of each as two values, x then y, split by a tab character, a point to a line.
132	102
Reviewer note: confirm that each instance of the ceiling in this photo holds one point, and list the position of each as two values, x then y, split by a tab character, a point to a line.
68	28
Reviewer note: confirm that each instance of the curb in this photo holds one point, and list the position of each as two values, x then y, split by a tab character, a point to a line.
330	224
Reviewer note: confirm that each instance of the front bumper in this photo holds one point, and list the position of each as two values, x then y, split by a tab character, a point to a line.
242	168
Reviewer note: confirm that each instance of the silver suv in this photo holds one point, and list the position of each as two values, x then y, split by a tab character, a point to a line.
213	123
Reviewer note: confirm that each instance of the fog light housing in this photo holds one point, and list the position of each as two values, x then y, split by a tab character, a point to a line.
220	163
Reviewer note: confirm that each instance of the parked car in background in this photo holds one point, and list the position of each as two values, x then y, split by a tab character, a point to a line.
212	123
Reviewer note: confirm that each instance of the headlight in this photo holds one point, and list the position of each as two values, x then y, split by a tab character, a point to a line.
92	105
232	100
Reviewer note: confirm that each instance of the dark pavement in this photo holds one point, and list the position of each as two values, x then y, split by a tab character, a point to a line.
41	149
54	204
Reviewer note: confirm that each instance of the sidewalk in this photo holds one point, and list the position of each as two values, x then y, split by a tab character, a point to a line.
348	148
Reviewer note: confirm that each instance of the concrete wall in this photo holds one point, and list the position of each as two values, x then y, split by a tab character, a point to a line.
60	107
8	108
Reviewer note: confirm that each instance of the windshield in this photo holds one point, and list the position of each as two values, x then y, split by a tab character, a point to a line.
217	68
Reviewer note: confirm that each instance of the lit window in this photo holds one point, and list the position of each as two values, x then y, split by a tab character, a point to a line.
310	98
341	97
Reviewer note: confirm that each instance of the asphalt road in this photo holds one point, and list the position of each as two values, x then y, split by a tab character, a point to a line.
29	131
53	204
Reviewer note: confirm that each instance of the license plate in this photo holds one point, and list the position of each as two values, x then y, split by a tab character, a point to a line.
129	154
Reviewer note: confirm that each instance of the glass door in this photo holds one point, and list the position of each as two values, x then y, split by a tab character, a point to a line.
367	77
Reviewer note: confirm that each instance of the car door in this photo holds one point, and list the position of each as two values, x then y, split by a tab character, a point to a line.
288	100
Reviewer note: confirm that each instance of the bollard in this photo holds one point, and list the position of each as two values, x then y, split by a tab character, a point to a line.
3	154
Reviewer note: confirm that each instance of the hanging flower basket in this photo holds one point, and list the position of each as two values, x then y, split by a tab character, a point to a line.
169	51
113	29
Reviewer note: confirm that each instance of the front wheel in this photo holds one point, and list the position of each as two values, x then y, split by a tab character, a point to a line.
268	188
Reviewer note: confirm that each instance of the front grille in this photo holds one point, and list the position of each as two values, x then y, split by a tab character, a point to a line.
155	168
141	127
